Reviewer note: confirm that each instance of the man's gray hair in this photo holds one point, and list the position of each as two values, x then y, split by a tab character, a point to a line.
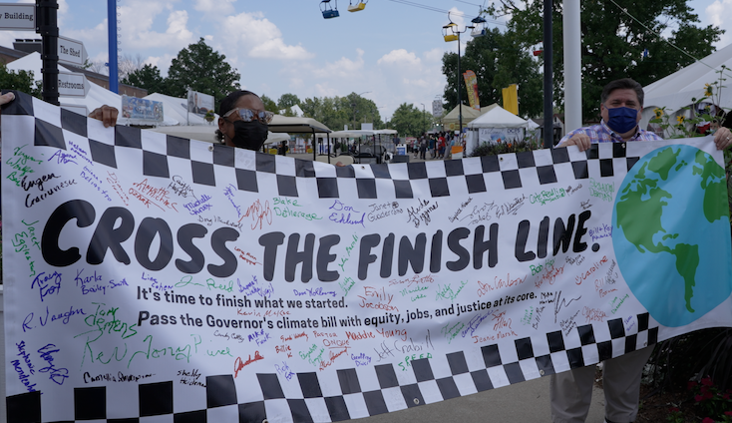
621	84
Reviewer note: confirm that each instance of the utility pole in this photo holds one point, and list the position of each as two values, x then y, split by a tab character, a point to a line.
424	119
47	22
112	40
548	84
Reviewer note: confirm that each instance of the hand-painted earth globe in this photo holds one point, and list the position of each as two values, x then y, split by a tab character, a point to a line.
671	234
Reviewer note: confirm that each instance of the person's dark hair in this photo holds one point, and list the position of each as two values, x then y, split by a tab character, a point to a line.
226	104
622	84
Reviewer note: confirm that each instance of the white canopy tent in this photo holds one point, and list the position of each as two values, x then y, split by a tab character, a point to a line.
176	110
97	96
677	90
296	110
451	120
498	117
495	125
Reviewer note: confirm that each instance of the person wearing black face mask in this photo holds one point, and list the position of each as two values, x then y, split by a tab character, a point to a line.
621	103
571	391
243	121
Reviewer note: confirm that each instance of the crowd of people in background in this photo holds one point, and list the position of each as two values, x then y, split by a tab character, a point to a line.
433	146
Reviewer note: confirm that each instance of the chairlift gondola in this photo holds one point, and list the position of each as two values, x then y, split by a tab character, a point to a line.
359	6
328	11
480	27
448	34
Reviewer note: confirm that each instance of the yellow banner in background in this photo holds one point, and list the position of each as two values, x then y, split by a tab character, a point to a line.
510	99
471	82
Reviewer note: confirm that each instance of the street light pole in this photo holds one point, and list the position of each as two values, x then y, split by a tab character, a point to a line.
424	119
455	35
459	88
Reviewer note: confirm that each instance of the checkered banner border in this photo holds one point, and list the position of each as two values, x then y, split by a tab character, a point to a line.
375	389
513	170
156	399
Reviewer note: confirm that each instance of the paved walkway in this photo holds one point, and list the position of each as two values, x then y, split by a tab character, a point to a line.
525	402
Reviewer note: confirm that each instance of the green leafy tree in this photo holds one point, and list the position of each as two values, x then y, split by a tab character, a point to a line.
498	60
269	104
359	110
288	112
287	100
202	69
325	110
20	81
337	112
613	42
409	120
147	77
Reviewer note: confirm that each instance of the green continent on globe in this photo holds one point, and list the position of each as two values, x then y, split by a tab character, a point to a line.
640	209
714	183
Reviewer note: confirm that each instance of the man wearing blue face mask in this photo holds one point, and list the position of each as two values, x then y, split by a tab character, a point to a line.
571	391
621	103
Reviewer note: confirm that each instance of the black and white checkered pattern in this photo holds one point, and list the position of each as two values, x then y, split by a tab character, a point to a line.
158	153
377	390
354	392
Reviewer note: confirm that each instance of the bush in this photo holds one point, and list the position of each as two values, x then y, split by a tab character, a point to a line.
706	353
487	149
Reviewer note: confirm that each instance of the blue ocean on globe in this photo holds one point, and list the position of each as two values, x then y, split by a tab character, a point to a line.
671	234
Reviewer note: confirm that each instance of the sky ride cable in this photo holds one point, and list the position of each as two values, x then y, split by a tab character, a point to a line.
435	9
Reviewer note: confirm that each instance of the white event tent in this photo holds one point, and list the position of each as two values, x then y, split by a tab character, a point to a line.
677	90
497	124
497	117
97	96
176	110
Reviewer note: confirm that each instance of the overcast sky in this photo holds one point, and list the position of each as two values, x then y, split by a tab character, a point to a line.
391	51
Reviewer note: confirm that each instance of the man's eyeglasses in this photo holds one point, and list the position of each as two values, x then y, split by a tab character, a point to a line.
249	115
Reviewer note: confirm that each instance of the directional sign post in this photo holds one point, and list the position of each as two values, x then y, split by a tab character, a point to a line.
17	17
47	18
71	52
72	84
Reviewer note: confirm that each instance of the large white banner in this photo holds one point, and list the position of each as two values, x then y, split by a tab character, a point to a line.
147	275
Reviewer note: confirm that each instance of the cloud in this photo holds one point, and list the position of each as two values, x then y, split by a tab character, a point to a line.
324	90
137	18
341	68
434	55
400	57
259	38
715	13
457	17
137	33
63	11
223	7
421	82
162	62
296	83
177	22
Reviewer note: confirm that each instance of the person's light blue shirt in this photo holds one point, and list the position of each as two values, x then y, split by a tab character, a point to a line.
602	133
